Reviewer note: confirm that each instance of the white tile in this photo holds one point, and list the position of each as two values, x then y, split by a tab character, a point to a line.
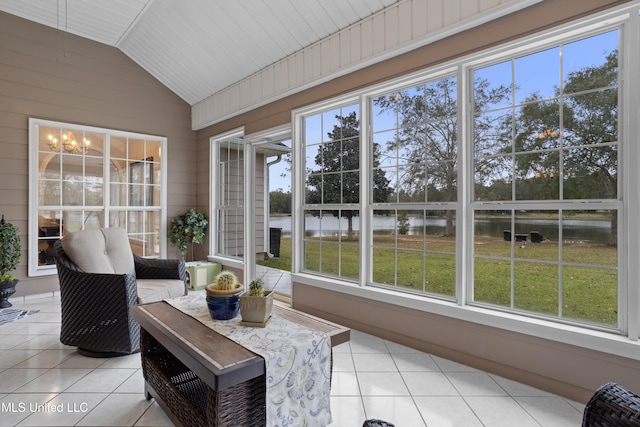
344	384
414	362
12	340
343	362
496	411
47	359
40	342
398	410
347	411
399	348
101	381
382	384
515	388
119	409
66	409
366	362
446	411
12	379
475	384
551	411
449	365
17	407
9	358
154	416
375	346
344	348
76	360
134	384
54	381
131	361
428	384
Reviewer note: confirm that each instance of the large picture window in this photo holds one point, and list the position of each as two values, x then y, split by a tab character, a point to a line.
84	177
491	182
546	181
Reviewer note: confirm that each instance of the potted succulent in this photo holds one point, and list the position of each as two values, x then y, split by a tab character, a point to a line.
9	259
187	229
256	304
223	296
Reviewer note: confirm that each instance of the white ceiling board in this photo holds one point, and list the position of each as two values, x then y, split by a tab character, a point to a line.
199	47
104	21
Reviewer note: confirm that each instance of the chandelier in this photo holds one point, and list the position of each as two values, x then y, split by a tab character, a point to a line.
69	144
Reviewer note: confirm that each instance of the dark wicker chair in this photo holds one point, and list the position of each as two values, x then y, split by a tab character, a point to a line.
612	406
95	306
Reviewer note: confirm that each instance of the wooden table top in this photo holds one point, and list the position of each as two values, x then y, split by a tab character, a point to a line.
216	359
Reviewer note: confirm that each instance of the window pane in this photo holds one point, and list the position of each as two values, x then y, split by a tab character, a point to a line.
536	288
537	75
602	58
492	86
492	281
590	237
590	295
492	133
493	178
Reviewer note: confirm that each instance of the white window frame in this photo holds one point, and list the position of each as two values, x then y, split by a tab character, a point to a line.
33	269
626	18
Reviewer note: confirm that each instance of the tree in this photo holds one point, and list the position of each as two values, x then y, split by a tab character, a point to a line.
337	181
585	126
280	202
427	137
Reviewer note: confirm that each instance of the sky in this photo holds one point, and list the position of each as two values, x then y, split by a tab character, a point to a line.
541	71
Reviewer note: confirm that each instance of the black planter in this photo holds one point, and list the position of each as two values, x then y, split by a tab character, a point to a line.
6	290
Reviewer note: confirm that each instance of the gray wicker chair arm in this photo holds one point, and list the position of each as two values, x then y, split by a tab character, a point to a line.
153	268
612	406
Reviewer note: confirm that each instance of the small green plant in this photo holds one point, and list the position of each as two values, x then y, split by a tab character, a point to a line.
9	250
226	281
256	288
186	229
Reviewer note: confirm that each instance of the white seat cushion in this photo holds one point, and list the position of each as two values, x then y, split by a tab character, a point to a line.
100	250
154	290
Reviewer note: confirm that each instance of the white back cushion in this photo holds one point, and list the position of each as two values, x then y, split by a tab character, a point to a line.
100	250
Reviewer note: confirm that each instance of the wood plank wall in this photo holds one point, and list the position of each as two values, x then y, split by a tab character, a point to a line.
52	75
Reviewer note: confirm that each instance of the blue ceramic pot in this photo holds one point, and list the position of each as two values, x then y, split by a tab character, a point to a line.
223	307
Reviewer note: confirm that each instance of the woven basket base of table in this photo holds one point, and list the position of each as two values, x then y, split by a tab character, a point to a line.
193	402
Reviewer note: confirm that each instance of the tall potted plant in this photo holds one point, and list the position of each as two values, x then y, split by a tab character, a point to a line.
186	229
9	259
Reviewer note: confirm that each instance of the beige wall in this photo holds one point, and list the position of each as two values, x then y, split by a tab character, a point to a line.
567	370
51	75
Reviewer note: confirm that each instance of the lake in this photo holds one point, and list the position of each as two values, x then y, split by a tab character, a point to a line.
573	229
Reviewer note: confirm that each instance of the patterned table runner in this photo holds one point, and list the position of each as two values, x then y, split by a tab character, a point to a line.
297	360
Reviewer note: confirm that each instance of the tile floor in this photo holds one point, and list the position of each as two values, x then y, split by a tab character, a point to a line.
44	383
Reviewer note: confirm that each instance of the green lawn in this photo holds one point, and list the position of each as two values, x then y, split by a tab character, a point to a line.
589	290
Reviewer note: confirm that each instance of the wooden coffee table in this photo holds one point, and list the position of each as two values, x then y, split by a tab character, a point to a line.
202	378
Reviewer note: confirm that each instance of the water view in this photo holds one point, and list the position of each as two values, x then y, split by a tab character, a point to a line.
594	231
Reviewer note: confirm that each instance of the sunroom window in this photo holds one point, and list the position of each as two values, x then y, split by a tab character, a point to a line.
414	186
84	177
331	145
546	200
492	182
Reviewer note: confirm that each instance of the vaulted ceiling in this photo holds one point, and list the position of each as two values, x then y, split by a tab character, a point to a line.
198	47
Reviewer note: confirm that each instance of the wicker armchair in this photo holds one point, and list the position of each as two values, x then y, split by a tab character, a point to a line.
612	406
99	279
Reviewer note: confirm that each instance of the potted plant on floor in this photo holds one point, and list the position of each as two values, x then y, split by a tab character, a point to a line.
223	296
256	304
9	259
187	229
